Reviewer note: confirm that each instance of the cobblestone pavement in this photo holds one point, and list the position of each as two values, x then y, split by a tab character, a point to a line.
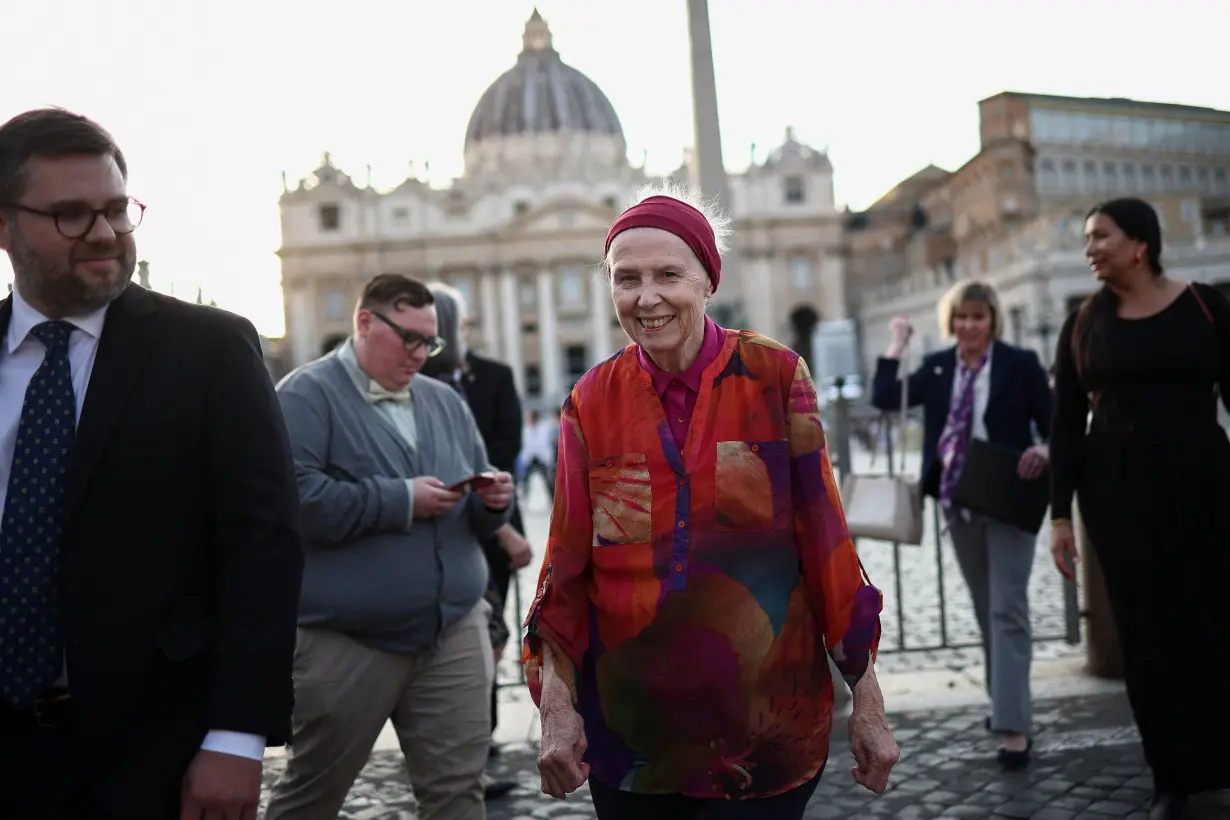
1087	765
918	617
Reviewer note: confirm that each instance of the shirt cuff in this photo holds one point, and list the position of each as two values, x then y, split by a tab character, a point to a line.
410	515
239	744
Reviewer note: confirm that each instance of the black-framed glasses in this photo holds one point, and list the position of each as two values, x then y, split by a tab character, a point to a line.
76	221
413	341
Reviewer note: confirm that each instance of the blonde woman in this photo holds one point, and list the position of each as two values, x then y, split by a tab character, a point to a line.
982	388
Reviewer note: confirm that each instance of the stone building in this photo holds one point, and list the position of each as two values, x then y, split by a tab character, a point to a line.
520	233
1014	213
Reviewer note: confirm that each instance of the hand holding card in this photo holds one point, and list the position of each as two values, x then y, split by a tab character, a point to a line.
474	482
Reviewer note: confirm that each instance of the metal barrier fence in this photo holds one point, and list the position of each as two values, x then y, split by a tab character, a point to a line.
845	421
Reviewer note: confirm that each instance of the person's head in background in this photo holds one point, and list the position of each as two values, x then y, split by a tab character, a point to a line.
450	324
970	314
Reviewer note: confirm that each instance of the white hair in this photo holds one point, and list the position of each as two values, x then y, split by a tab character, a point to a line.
720	222
463	310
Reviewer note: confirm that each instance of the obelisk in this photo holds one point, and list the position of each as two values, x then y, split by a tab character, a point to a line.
707	172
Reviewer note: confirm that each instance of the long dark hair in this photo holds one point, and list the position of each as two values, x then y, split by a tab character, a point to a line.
1090	336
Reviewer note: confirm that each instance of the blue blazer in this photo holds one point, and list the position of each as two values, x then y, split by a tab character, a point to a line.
1019	401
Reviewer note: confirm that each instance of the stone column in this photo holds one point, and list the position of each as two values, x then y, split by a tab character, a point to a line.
510	320
600	318
548	338
488	307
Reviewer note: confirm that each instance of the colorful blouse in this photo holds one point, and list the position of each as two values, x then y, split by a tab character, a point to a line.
689	594
678	392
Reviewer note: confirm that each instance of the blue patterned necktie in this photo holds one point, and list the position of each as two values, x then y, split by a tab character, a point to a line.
956	433
31	651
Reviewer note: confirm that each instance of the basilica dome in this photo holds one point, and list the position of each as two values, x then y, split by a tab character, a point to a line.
540	110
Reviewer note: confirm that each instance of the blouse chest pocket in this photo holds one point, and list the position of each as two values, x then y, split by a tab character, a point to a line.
752	486
621	498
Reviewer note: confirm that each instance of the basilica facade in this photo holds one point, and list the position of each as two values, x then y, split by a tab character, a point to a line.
520	233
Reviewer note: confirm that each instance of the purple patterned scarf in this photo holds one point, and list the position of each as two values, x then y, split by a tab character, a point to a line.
957	431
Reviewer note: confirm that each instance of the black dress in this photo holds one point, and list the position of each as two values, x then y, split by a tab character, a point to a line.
1152	476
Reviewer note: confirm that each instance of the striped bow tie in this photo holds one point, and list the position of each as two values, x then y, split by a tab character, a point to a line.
377	394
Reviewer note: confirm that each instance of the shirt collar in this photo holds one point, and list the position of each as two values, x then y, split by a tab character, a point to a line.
362	382
25	317
710	347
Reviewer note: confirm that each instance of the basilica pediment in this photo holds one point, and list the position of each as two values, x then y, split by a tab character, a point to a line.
562	216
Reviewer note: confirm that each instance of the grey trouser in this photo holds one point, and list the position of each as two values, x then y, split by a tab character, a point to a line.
439	703
997	560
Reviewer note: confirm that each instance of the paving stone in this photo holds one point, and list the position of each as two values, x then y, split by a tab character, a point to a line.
1073	776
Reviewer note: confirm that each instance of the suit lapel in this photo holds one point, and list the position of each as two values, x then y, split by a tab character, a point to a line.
6	315
1001	367
126	341
944	373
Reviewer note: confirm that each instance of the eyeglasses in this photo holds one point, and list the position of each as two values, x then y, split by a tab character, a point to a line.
413	341
76	221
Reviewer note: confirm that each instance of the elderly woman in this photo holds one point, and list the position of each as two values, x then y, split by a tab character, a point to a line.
982	388
698	565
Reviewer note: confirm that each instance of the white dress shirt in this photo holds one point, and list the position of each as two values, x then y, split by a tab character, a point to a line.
538	442
21	354
982	393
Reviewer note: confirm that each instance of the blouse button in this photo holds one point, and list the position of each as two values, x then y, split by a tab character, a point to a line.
755	448
681	524
610	462
678	567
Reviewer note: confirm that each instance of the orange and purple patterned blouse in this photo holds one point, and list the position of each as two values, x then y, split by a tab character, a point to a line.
689	593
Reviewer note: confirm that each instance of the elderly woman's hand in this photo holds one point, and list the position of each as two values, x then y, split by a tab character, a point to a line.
560	761
871	742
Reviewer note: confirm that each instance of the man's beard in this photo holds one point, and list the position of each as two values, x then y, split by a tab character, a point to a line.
58	289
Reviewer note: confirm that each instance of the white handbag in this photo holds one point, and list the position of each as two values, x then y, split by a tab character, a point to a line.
888	507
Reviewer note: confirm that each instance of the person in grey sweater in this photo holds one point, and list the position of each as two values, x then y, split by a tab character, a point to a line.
392	621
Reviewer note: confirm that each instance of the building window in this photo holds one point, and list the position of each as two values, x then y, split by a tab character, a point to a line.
1110	176
520	207
335	306
1090	181
1129	178
800	273
1167	178
1185	177
1219	181
793	190
1016	322
330	217
574	360
529	295
1048	177
571	289
609	202
1148	179
401	215
533	380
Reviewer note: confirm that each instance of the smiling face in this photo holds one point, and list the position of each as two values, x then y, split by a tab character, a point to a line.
57	275
1112	255
659	290
973	324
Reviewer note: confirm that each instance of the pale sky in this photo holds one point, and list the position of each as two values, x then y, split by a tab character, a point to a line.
212	101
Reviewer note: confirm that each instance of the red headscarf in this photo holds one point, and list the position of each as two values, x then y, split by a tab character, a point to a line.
679	218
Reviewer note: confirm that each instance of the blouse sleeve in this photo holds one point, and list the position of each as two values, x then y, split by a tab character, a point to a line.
886	387
846	606
559	615
1068	426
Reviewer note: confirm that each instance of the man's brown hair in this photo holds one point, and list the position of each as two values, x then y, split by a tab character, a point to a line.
392	291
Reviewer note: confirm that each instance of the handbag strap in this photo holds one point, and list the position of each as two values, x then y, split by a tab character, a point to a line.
904	369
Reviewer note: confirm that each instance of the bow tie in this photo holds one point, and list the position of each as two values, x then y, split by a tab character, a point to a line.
377	394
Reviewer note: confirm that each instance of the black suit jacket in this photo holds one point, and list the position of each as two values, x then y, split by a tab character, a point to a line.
180	561
1018	403
491	393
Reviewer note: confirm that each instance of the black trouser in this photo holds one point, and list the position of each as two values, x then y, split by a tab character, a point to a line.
547	473
613	804
501	577
39	767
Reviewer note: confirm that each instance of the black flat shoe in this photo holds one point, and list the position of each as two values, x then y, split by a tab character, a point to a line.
1012	761
1167	806
497	789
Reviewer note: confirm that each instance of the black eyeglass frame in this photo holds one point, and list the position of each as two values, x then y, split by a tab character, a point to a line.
412	340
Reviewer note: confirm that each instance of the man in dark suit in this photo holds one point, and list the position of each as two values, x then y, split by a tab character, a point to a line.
149	540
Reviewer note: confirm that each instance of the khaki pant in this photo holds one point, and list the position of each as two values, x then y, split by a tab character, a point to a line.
439	704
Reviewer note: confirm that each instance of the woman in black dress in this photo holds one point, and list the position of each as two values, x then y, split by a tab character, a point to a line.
1146	354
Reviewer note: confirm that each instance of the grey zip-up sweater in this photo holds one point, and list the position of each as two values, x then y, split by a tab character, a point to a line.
370	570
